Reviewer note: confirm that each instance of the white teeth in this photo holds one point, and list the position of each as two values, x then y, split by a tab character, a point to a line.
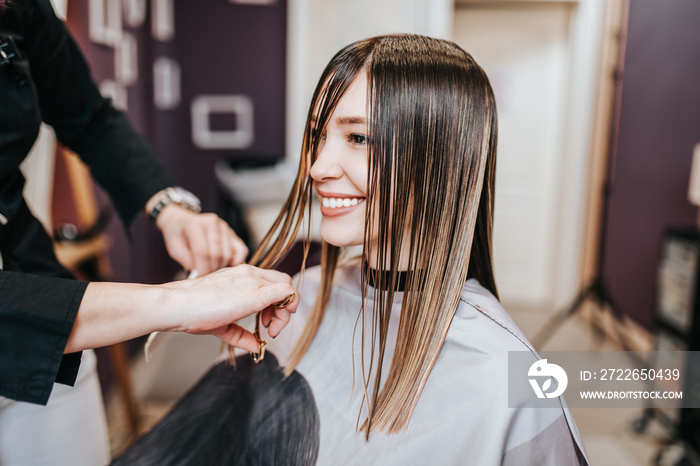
333	202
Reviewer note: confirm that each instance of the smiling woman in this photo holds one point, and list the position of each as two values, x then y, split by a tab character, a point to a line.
399	356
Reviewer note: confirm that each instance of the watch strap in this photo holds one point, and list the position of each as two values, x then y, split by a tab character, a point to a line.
172	196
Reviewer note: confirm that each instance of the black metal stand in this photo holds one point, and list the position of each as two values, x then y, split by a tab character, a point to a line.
597	292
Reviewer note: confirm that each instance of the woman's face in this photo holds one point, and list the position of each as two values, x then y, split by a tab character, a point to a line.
340	170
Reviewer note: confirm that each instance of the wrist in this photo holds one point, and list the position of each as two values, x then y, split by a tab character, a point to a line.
167	308
172	213
171	196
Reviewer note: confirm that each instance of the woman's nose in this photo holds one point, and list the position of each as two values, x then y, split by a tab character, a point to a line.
326	167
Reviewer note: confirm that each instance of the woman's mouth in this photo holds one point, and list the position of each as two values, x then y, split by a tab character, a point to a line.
338	202
336	205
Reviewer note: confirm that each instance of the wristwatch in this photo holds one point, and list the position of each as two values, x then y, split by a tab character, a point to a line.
175	195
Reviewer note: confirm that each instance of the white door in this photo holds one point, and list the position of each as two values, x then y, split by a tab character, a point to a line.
527	50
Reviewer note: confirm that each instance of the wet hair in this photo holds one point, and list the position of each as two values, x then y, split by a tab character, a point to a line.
432	151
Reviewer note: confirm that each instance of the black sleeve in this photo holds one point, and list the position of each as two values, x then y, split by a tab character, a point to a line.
118	157
48	306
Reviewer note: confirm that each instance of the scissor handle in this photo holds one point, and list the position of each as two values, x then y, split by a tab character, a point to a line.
260	355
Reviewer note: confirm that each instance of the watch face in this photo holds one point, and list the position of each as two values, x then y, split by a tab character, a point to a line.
186	197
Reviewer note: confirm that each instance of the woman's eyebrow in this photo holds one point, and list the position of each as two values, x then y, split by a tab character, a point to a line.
352	120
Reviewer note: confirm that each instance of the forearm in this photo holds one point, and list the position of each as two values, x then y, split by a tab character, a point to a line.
114	312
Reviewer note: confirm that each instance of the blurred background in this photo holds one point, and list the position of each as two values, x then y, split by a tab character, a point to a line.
599	117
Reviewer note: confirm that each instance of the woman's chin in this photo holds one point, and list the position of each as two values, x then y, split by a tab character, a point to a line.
340	239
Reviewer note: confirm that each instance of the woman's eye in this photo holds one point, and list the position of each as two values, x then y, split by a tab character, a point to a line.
356	138
315	134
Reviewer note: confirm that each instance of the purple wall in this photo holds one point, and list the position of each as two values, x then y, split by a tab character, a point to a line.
221	48
658	127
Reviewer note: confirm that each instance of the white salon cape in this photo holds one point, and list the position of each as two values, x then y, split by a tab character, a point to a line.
462	416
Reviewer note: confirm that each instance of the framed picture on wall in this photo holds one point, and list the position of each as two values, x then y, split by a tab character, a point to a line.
677	286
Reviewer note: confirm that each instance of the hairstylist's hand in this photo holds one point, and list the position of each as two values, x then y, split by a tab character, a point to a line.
114	312
201	242
211	304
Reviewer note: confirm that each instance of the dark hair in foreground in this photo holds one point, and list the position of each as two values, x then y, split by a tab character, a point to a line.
249	416
432	154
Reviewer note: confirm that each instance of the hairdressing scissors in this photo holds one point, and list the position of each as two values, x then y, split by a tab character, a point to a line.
260	355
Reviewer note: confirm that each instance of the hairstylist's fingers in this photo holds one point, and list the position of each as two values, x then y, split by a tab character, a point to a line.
180	252
215	242
209	225
276	293
227	251
274	276
237	336
174	222
266	316
280	319
199	247
240	250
